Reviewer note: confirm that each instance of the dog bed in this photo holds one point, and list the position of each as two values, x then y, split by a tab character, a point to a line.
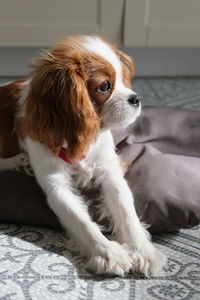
163	148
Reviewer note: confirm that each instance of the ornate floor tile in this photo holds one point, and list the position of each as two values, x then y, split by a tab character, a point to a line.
190	237
38	263
144	89
171	89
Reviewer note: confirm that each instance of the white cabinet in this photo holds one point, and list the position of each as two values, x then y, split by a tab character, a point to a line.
39	23
111	18
162	23
134	30
43	22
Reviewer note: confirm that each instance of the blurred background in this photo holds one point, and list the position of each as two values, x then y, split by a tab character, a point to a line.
162	36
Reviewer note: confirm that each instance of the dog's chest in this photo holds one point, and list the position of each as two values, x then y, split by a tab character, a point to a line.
82	173
84	170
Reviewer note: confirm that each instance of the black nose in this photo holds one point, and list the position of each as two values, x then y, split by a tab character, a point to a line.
134	100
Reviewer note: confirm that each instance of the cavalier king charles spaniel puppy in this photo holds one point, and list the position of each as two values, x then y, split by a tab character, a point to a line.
62	118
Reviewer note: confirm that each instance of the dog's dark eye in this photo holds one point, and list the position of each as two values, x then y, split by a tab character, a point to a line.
104	87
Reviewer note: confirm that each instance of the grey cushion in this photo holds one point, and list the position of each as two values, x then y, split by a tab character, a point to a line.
164	150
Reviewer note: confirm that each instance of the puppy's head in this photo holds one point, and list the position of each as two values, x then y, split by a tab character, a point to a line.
80	86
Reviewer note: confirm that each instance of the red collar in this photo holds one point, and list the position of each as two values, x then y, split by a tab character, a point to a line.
62	154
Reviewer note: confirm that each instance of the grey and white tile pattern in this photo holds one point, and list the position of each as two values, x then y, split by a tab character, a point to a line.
38	263
180	92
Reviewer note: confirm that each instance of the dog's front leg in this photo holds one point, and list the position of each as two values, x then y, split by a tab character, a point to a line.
54	177
120	203
19	162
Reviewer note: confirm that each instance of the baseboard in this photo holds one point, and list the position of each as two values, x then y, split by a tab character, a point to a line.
148	61
166	61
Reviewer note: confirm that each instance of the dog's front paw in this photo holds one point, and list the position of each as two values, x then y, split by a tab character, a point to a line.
23	164
148	260
115	261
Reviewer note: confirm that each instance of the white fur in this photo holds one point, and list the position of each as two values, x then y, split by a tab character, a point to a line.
20	163
95	44
59	180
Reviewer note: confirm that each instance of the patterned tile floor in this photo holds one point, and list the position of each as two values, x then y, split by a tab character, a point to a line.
183	92
38	263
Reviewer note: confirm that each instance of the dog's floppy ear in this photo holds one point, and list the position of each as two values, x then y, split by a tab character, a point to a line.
128	67
83	121
58	108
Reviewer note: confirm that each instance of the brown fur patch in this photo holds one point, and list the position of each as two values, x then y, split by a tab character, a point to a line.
125	165
9	95
127	64
99	73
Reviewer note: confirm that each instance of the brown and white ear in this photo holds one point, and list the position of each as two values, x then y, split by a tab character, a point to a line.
83	123
128	67
58	107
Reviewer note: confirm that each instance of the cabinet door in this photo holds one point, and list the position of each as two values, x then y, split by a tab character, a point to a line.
162	23
174	23
36	23
134	29
43	22
111	19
